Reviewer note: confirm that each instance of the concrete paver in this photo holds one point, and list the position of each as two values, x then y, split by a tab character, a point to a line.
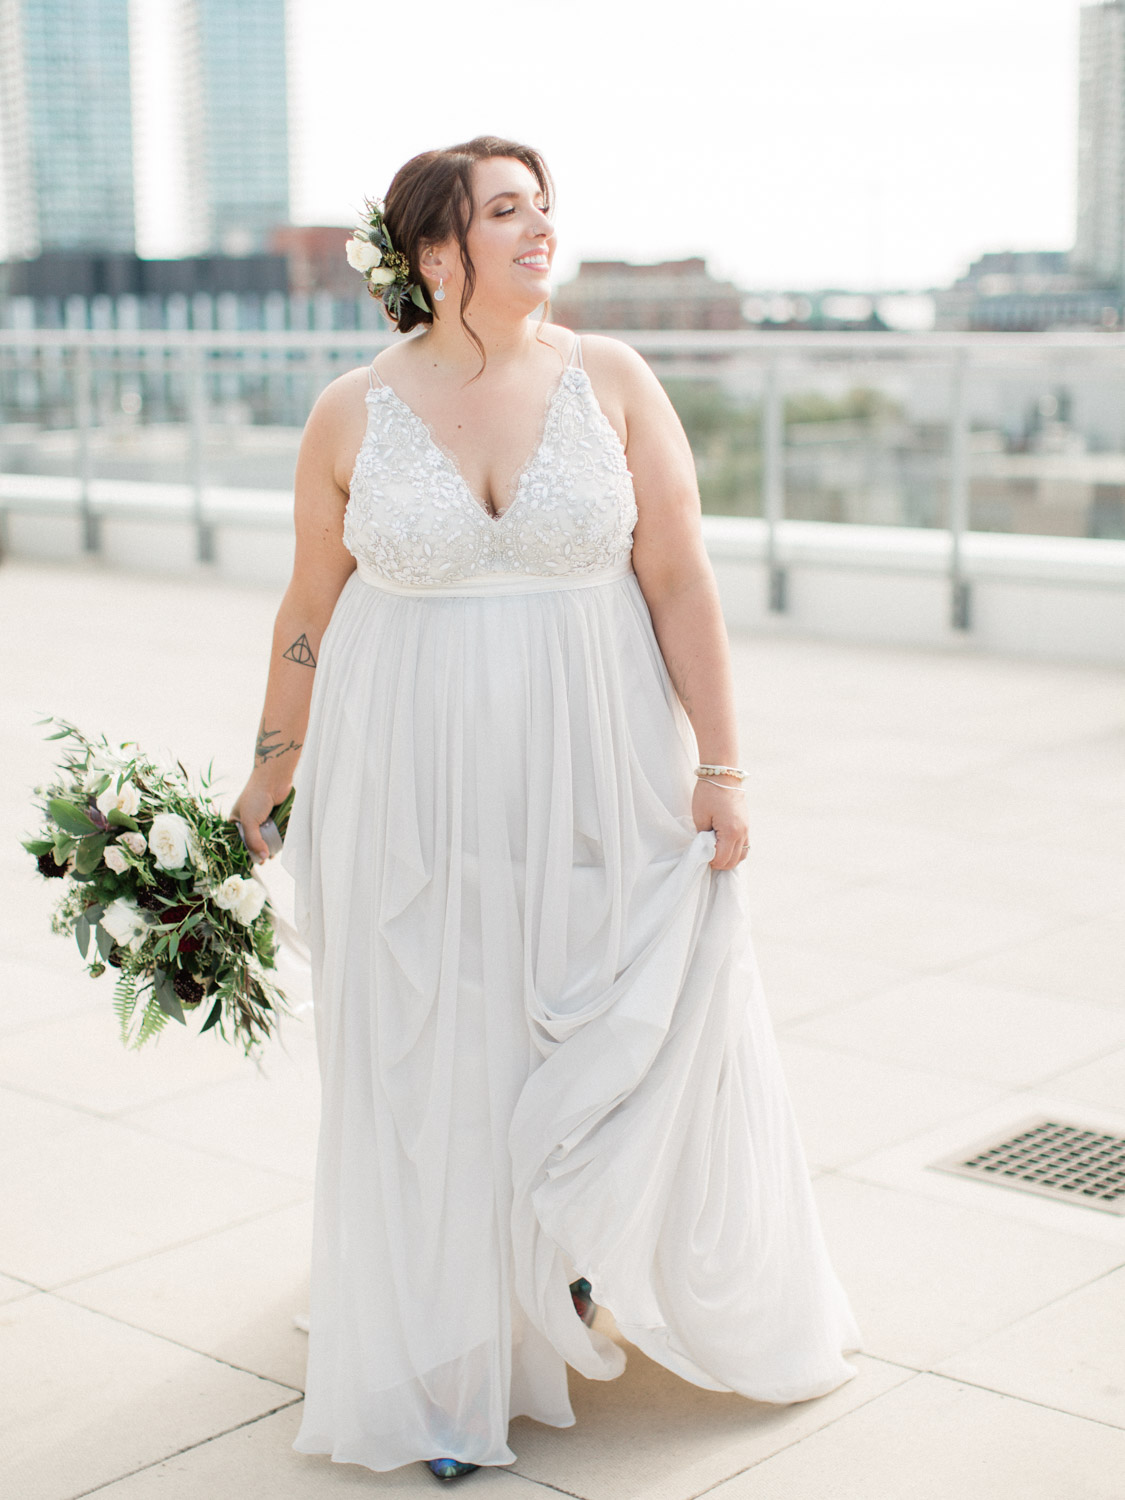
936	894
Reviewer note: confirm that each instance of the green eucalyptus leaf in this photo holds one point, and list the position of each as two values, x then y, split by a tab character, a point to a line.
70	817
213	1018
90	855
119	819
418	297
82	935
104	941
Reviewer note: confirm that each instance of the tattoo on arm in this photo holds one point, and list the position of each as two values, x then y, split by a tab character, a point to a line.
301	652
267	750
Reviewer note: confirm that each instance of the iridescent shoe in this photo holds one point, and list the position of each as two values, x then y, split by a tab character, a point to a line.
449	1468
584	1305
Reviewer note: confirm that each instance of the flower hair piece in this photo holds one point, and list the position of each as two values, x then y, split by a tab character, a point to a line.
385	269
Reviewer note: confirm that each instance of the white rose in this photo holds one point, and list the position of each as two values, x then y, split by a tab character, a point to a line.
123	920
243	896
115	859
381	277
125	798
250	903
363	255
168	839
227	895
134	840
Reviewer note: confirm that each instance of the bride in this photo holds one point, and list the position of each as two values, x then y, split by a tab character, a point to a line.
500	683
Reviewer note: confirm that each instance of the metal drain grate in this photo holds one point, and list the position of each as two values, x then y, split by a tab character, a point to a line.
1050	1158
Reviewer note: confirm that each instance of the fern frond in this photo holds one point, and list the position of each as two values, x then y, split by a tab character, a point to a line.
153	1020
125	1000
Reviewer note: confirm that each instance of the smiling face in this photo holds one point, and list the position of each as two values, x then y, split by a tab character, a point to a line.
511	240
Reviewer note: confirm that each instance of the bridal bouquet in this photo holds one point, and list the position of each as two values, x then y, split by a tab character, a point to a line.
159	886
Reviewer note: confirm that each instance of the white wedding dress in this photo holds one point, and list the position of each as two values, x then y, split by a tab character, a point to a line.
543	1043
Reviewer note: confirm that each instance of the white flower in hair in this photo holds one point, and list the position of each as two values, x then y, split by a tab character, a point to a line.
381	276
363	255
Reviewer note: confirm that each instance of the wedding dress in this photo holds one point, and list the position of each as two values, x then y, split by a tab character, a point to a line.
543	1044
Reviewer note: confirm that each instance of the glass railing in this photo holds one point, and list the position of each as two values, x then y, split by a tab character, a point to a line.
1018	433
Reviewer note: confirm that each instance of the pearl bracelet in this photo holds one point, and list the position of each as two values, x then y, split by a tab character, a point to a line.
706	771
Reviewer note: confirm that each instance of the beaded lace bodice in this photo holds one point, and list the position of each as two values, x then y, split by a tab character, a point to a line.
412	518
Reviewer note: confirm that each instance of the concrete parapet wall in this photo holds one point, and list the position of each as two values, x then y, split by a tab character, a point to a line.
1050	597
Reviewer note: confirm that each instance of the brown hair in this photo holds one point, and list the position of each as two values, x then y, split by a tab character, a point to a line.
430	200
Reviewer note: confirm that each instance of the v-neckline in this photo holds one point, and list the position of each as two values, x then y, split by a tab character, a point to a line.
515	487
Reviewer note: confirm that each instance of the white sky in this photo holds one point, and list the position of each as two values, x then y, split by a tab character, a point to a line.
798	143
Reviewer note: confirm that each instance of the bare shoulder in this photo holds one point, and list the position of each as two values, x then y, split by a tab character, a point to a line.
335	425
615	360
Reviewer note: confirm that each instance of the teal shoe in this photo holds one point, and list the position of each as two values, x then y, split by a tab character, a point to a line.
584	1305
449	1468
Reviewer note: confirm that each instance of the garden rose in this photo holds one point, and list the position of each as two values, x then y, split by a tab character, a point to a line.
362	255
242	896
115	860
134	840
125	798
168	839
251	901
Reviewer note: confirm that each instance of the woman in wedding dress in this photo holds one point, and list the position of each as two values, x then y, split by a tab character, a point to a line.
500	683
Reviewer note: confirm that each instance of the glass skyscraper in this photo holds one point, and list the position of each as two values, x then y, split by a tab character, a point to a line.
66	134
1099	248
236	122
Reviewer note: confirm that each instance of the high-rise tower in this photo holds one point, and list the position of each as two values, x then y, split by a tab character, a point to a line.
66	133
1099	248
236	122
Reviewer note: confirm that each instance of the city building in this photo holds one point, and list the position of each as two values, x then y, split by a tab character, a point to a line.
317	259
235	121
1025	291
1099	249
66	132
672	294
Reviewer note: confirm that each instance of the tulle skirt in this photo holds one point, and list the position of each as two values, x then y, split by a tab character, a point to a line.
543	1043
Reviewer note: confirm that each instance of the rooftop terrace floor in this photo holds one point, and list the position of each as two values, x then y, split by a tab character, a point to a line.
937	880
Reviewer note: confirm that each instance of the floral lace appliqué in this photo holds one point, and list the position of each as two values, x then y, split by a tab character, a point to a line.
411	517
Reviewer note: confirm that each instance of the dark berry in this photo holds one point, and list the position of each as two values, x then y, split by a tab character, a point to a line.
188	989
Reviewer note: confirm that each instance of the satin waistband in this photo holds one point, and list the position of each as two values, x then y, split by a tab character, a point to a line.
497	583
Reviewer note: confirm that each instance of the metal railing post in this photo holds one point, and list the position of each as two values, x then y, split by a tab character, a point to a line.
83	421
773	484
960	611
197	403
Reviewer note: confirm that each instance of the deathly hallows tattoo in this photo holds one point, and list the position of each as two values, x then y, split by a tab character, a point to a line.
301	652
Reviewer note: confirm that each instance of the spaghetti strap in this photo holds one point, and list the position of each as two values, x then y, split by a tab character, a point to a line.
576	353
371	370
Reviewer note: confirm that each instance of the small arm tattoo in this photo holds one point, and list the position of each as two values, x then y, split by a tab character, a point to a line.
301	652
265	750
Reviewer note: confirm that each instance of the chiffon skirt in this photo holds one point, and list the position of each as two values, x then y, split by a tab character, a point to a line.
543	1044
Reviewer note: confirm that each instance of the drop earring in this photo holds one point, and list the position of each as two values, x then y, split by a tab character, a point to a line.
439	294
